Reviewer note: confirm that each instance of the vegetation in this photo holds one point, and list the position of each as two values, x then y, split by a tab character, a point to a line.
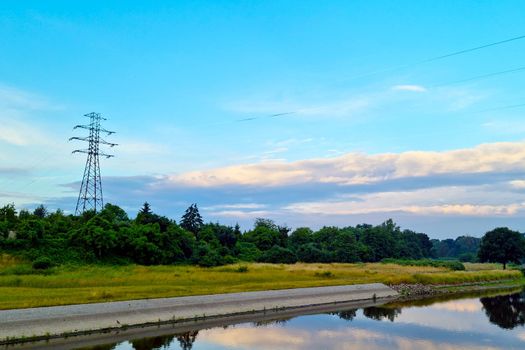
110	236
53	258
451	265
22	286
463	248
502	245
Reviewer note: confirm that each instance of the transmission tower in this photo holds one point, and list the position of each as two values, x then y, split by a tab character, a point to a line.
90	195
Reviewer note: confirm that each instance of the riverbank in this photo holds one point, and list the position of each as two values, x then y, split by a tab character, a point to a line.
411	292
23	287
62	321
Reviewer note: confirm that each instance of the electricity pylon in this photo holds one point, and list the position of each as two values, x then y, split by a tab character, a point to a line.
90	195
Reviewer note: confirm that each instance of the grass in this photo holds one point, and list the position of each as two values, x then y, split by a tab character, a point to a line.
87	284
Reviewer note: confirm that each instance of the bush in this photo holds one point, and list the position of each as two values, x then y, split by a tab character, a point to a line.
309	253
204	256
278	255
42	263
247	251
242	269
324	274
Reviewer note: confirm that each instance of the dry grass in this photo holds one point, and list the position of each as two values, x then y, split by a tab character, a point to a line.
482	267
8	261
87	284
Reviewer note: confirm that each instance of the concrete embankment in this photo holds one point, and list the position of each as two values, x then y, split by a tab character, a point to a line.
87	318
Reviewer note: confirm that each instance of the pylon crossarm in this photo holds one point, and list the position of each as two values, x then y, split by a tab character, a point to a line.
104	142
82	127
80	138
107	131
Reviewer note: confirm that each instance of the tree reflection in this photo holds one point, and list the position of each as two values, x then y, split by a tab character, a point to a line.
152	343
104	347
280	321
506	311
380	313
347	315
187	339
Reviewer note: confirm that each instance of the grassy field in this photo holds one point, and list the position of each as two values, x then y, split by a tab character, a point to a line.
21	287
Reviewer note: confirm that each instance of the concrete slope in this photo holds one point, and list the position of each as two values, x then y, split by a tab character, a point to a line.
72	319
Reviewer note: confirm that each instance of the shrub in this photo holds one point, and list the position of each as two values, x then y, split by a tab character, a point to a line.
309	253
42	263
278	255
242	269
247	251
324	274
204	256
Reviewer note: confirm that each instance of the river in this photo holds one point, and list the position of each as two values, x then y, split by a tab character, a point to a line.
470	322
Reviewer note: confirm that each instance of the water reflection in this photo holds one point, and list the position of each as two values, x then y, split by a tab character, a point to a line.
472	323
380	313
506	311
374	313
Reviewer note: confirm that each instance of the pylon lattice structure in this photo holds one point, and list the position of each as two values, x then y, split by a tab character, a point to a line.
90	195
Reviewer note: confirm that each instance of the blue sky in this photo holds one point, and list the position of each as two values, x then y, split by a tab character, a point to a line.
372	134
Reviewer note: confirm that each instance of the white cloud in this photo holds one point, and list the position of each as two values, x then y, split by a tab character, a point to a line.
357	168
464	201
519	184
413	88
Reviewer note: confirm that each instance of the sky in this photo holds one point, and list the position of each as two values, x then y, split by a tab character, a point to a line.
310	113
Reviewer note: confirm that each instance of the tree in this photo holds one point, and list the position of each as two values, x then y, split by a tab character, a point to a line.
301	236
502	245
278	255
263	236
192	219
40	211
8	215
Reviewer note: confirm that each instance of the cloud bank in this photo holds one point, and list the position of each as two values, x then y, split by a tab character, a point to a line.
447	193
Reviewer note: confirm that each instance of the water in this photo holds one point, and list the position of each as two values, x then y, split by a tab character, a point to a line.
471	323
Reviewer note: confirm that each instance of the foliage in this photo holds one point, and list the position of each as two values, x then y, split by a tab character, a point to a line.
502	245
192	219
43	263
278	255
454	248
111	236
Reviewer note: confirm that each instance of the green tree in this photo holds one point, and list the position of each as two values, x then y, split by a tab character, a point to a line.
32	230
264	235
8	215
502	245
309	253
192	219
40	211
300	236
114	214
96	236
278	255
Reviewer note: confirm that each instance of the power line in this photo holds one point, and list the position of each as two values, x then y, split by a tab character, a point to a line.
489	75
437	58
263	117
471	49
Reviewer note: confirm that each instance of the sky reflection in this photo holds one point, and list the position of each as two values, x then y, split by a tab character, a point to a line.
468	324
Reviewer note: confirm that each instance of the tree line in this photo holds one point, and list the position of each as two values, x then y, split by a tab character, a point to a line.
149	239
